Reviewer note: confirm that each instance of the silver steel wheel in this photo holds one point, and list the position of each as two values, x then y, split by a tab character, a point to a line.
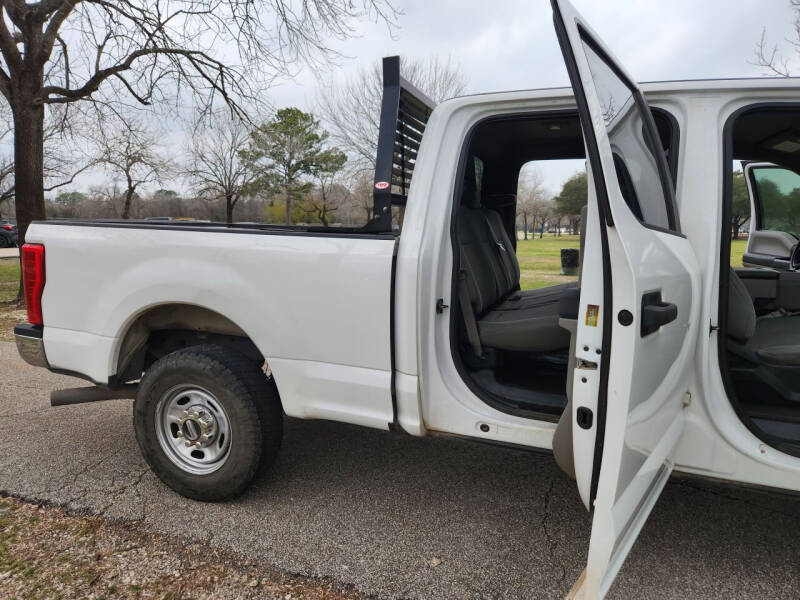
193	429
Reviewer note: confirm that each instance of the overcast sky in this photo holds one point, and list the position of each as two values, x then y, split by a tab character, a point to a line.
511	44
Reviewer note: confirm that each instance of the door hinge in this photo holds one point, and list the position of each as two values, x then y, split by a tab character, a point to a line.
441	306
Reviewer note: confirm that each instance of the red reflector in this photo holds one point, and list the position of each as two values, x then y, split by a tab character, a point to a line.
33	280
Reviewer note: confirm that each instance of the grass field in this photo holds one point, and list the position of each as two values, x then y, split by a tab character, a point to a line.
737	251
540	260
10	315
9	279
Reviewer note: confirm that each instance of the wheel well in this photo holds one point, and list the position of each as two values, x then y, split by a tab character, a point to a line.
170	327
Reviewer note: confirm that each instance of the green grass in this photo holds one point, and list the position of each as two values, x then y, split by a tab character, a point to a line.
737	252
540	260
9	279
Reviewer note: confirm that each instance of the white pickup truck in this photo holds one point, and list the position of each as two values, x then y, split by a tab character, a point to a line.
661	358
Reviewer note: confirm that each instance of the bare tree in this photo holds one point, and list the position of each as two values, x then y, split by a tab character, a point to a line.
130	152
216	166
329	195
361	194
533	200
63	51
769	56
61	165
352	108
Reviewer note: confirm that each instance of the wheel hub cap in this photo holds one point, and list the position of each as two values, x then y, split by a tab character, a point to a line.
197	426
193	429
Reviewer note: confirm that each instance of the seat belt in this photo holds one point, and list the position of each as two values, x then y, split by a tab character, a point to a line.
502	251
468	314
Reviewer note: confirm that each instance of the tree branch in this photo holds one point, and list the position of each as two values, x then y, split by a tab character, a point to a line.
54	26
8	47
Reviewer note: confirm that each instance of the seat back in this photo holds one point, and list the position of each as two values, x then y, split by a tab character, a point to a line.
741	312
486	253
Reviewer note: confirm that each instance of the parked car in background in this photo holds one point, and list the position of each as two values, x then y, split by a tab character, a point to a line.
8	234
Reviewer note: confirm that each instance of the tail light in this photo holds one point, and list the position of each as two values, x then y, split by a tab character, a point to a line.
8	227
33	280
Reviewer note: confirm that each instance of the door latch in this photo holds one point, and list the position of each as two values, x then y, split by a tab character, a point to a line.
441	306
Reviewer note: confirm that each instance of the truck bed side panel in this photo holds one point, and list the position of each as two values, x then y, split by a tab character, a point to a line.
317	307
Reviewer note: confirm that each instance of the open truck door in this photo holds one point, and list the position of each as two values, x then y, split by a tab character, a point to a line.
638	313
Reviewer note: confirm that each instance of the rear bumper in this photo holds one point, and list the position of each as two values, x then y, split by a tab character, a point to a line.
30	344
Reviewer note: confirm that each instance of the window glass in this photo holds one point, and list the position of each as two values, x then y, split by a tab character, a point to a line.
635	162
778	193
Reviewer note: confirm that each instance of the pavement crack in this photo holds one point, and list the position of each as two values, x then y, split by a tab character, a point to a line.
552	542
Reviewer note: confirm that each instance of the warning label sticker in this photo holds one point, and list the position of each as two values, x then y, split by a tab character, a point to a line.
592	314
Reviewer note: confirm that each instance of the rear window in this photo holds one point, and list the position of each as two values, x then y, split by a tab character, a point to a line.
636	159
778	195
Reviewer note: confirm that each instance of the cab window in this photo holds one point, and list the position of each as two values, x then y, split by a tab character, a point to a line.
777	191
644	184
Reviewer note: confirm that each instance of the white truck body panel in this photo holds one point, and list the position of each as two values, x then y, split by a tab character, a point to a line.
426	256
317	307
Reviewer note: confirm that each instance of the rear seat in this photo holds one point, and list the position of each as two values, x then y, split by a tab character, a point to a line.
507	318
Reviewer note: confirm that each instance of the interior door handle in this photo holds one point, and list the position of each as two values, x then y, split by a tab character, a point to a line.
656	313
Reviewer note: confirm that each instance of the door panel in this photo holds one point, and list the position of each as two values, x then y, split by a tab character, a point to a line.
647	300
776	215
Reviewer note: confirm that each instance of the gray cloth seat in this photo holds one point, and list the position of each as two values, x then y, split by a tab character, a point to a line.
773	340
776	340
533	314
507	318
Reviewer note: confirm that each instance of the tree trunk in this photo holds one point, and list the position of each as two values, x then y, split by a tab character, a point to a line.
288	208
735	231
28	164
525	226
229	208
126	209
29	169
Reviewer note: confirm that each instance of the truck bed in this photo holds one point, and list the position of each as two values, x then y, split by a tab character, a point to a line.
316	302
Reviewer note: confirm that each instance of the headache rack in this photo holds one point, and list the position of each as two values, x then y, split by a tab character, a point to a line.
404	112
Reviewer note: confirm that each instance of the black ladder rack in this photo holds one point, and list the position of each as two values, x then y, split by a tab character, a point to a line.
404	113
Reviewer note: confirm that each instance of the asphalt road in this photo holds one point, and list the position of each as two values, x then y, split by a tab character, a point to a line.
372	509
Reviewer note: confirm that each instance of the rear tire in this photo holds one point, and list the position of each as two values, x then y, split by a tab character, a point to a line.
206	418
